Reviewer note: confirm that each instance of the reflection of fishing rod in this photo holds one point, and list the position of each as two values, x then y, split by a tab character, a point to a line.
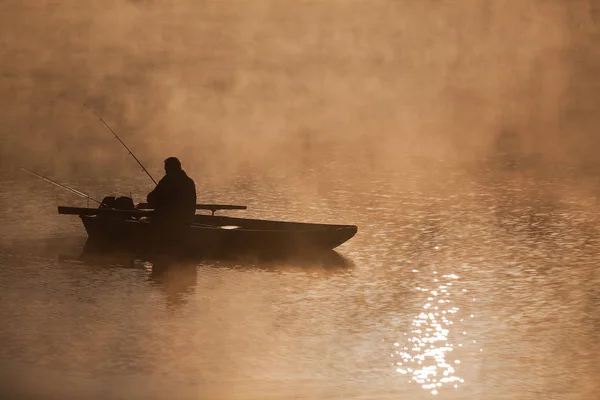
119	139
60	185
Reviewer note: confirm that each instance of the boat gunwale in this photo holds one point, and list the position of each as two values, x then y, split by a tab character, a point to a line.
309	227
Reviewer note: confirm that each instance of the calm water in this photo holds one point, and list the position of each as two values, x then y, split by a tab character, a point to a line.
461	284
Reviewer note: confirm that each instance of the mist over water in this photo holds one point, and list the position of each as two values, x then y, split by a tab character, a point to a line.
236	84
460	136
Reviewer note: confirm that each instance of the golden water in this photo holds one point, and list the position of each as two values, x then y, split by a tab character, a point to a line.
461	283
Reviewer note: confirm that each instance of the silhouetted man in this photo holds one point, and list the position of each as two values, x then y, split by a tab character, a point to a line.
174	198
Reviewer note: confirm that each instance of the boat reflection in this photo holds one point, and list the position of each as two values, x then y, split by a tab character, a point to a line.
104	257
177	275
176	280
327	260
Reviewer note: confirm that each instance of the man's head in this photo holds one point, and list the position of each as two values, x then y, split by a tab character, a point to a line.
172	165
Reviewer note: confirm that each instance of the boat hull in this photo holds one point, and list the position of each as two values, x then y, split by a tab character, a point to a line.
216	235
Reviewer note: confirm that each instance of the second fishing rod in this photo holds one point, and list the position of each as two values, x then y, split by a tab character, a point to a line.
119	139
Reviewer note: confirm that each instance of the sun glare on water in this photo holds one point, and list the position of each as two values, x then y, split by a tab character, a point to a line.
427	356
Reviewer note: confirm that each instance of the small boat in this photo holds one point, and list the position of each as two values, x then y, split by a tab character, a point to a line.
209	234
117	221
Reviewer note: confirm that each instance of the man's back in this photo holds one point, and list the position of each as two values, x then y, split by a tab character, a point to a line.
174	198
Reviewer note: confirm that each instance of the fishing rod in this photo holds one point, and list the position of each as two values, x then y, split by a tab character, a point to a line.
119	139
60	185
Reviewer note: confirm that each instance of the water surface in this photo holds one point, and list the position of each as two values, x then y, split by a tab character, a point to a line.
461	283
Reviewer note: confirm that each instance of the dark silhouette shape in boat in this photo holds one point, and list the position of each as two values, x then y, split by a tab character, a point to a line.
174	197
169	223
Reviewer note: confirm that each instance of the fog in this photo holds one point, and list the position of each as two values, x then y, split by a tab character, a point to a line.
436	126
266	85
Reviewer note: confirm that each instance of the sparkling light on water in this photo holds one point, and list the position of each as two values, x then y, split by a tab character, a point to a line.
427	356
